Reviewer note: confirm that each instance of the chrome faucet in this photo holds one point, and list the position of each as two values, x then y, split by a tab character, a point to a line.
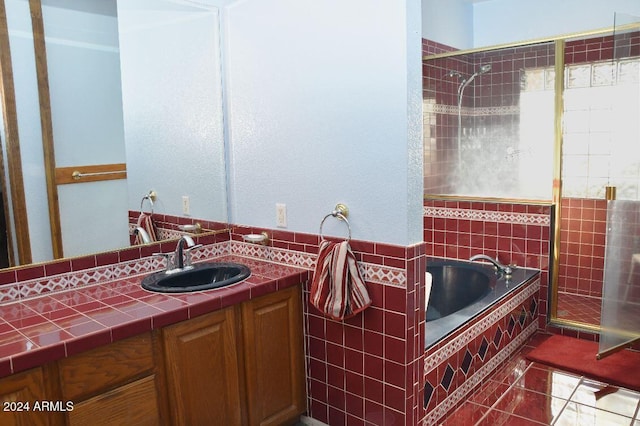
179	255
503	269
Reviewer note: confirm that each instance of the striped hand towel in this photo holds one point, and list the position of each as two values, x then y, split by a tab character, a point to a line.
145	221
337	289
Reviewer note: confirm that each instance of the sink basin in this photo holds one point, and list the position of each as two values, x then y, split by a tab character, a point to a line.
201	276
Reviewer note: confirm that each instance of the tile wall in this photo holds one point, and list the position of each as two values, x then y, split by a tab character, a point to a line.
514	233
582	246
489	110
367	369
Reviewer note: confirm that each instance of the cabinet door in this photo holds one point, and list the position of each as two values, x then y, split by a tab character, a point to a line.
131	404
18	390
274	358
202	370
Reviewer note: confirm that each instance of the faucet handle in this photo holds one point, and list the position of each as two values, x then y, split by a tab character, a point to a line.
187	254
167	256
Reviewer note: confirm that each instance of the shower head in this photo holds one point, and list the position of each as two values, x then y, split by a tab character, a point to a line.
454	73
483	69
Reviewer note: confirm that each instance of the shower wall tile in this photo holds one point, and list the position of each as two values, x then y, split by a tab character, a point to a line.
493	106
582	246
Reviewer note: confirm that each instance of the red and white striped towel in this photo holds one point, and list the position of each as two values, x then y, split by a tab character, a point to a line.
337	289
145	221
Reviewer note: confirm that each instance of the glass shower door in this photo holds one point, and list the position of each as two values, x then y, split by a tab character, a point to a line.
620	319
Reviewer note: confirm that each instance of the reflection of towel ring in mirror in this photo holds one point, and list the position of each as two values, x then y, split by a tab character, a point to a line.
150	197
341	212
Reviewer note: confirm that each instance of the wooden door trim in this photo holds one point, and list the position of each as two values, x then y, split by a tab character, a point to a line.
46	123
14	159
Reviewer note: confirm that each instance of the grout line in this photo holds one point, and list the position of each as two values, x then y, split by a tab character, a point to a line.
495	403
553	422
636	415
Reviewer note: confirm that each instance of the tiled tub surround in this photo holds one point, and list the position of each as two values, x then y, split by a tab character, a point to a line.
499	287
457	365
514	233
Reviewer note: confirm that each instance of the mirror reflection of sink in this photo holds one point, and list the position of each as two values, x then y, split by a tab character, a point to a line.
201	276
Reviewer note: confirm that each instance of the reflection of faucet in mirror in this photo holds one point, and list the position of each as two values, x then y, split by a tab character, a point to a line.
142	235
124	115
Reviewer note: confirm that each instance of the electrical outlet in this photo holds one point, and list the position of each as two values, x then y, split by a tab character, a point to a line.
185	204
281	215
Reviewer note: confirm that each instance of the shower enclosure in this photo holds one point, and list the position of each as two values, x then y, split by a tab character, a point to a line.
620	317
517	134
487	123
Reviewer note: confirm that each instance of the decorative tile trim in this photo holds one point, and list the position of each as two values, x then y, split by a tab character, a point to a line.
371	272
490	216
430	107
451	348
86	277
384	275
273	254
487	368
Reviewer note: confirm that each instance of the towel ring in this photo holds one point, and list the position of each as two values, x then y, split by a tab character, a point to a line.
340	213
149	197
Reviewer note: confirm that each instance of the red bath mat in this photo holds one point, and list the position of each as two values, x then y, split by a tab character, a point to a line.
579	356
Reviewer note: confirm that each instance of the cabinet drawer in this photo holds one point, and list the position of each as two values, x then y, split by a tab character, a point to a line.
105	367
132	404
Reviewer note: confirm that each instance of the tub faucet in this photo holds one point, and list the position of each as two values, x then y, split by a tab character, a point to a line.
503	269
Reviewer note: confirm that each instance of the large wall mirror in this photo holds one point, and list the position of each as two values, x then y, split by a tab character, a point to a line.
129	93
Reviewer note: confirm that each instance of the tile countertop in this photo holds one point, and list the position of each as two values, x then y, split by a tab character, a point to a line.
36	331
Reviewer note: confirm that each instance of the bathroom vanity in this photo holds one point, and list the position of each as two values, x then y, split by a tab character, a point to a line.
237	360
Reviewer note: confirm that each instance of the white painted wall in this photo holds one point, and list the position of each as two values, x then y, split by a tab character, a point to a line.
324	106
448	22
505	21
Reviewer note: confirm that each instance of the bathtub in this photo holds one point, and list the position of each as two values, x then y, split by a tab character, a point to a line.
462	290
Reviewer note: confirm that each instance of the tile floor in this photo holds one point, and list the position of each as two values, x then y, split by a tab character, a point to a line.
527	393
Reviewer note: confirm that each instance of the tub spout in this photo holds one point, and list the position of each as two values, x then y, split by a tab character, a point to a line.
503	269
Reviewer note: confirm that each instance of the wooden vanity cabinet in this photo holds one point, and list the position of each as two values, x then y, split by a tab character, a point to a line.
242	365
238	366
